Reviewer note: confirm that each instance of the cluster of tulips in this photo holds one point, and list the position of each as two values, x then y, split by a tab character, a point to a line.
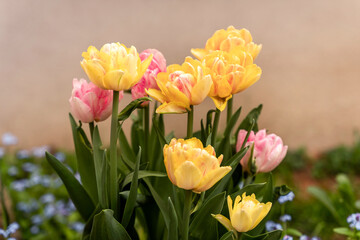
124	192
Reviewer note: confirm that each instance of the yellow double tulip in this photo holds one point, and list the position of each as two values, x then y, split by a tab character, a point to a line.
226	40
231	72
181	86
114	67
191	166
245	215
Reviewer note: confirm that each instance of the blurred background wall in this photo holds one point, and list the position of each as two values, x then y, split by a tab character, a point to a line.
310	61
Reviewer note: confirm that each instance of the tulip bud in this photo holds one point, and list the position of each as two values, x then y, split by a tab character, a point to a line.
269	150
90	103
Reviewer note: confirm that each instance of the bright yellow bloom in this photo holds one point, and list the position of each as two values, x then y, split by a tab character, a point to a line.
245	215
181	86
114	67
226	40
231	73
191	166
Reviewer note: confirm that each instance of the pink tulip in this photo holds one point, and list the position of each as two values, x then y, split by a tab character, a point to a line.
158	64
269	150
90	103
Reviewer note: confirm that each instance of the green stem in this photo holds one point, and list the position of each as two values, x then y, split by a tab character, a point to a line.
229	110
186	214
146	129
91	127
190	122
215	127
113	154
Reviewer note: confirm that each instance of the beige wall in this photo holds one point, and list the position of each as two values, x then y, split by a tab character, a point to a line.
310	60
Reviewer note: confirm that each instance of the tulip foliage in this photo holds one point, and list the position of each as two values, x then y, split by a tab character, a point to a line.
151	184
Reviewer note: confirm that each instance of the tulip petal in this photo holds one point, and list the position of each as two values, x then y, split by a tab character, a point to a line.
156	94
224	221
211	178
241	220
112	80
220	103
199	53
175	95
94	71
201	90
187	176
144	65
171	108
80	110
264	211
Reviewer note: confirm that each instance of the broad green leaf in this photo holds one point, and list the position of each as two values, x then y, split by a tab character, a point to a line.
143	174
322	197
130	202
344	231
252	115
346	191
274	235
98	155
77	193
204	226
105	227
126	112
173	225
125	148
227	236
84	159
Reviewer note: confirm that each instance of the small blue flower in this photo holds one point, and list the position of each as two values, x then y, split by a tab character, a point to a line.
45	181
12	228
49	210
2	152
9	139
47	198
39	152
71	206
272	226
13	171
36	219
315	238
354	221
34	230
77	226
28	207
304	237
285	218
60	156
23	154
286	198
29	167
287	237
19	185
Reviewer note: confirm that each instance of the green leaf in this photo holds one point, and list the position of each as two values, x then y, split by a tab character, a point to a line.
130	202
105	227
293	232
322	197
232	122
227	236
247	122
274	235
98	159
143	174
204	226
173	226
126	112
77	193
84	158
125	148
344	231
159	132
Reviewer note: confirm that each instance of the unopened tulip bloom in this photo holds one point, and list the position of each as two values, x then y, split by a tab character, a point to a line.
158	64
269	150
114	67
246	213
90	103
181	86
231	72
191	166
226	40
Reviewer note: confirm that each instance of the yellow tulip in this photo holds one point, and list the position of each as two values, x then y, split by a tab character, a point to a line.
245	215
191	166
231	72
114	67
226	40
181	86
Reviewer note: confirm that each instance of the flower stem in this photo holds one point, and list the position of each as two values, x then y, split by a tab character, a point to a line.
190	122
229	110
186	214
113	154
91	127
146	130
215	127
